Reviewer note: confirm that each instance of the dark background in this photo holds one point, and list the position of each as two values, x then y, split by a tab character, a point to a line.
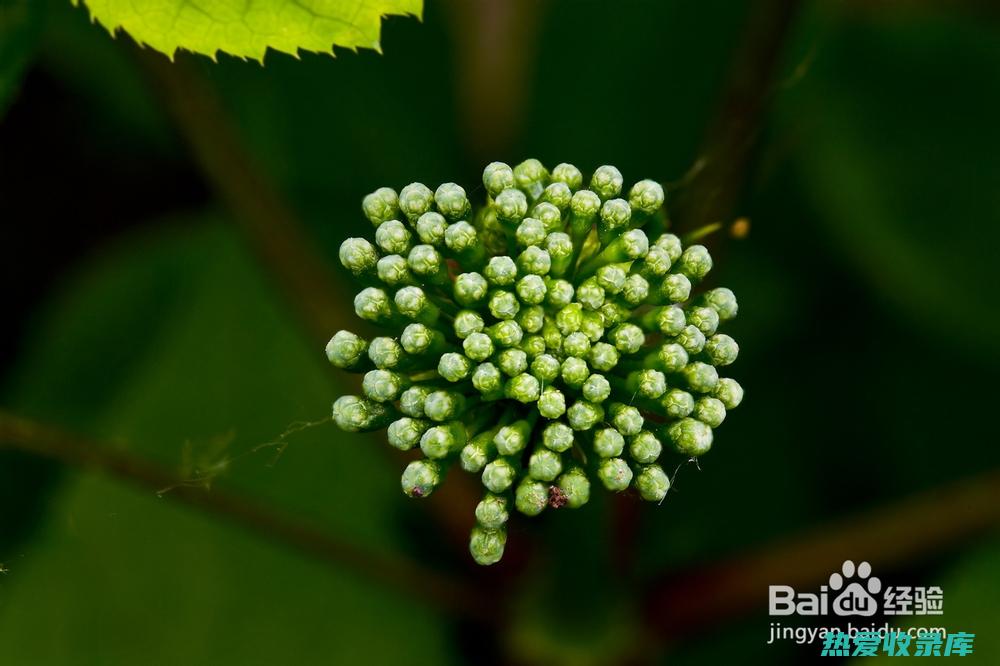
138	313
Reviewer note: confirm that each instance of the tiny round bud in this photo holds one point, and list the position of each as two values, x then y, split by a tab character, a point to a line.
568	174
533	346
345	349
487	378
676	288
729	392
596	389
444	405
607	182
441	440
585	204
723	301
636	290
532	318
501	271
475	454
373	304
551	403
645	447
558	437
590	294
534	260
511	206
415	199
576	344
611	278
569	319
592	325
695	262
524	388
531	290
650	383
451	201
603	357
381	205
608	443
503	304
544	465
497	177
574	371
405	433
425	261
690	436
531	497
706	319
701	377
545	367
491	512
628	338
411	402
468	322
470	289
584	415
512	361
393	237
672	357
355	414
549	215
615	474
499	475
652	483
646	196
420	478
691	338
412	303
656	263
486	546
616	214
576	487
678	403
506	333
417	338
635	244
530	232
431	228
710	411
393	270
383	385
671	244
462	237
558	194
386	353
721	349
358	256
671	320
478	346
626	419
454	367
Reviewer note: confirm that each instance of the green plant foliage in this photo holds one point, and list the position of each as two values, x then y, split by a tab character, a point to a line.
185	341
248	29
19	27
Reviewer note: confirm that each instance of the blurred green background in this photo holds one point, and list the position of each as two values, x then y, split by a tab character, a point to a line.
137	313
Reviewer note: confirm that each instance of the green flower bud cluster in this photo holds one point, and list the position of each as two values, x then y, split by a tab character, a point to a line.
542	341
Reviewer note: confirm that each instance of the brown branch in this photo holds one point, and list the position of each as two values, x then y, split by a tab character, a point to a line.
714	183
430	587
275	235
894	535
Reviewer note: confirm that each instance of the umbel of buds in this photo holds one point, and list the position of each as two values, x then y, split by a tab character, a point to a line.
553	337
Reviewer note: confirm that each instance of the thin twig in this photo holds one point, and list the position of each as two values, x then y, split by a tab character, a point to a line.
430	587
275	234
716	180
894	535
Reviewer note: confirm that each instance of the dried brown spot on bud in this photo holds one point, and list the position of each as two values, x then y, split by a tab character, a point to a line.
557	498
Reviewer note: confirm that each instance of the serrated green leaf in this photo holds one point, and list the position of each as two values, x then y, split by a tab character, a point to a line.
248	28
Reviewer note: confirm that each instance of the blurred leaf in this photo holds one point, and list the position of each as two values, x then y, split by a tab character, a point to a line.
20	21
896	143
180	340
247	30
